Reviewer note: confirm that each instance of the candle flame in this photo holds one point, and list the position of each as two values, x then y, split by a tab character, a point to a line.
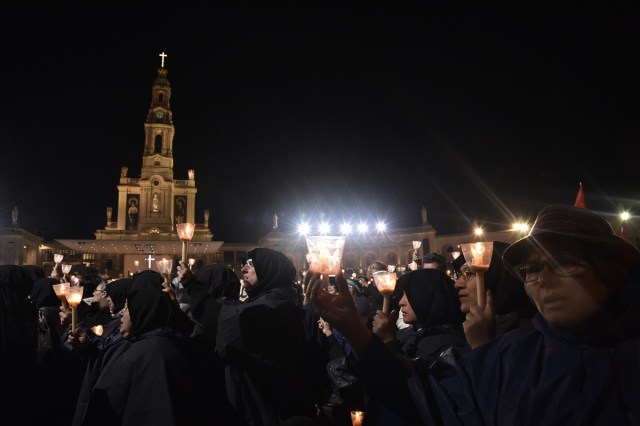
477	251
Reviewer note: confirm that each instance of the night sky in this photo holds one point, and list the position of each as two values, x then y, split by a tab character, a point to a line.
334	111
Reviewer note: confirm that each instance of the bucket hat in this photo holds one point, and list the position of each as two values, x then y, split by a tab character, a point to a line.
567	223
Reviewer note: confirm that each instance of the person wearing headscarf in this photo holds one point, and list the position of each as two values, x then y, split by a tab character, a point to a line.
34	271
20	283
19	369
222	284
431	306
220	281
45	300
97	351
61	369
180	321
152	380
268	361
42	293
147	278
511	305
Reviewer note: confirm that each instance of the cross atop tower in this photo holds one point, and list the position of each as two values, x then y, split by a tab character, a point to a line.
162	55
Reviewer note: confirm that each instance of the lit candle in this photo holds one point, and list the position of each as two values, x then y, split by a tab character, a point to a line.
74	297
61	290
385	283
325	254
97	330
477	261
478	257
357	417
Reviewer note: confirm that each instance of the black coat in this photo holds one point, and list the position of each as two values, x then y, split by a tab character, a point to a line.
269	363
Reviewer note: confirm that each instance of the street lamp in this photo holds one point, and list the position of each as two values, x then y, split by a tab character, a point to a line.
185	233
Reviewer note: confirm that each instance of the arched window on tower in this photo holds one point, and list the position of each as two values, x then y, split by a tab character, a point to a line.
158	144
160	97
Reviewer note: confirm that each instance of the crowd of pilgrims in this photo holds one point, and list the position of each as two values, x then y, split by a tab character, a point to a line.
557	342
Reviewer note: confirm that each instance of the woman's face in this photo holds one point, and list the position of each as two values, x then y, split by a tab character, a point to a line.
466	284
564	287
408	316
249	276
126	326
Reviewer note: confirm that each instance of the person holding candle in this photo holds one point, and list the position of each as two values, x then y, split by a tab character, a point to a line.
223	284
19	368
152	380
271	367
376	299
180	323
575	363
431	306
510	306
97	351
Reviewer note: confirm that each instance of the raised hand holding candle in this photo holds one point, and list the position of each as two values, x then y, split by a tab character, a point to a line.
164	265
61	293
57	258
74	297
185	233
66	268
478	257
325	254
385	283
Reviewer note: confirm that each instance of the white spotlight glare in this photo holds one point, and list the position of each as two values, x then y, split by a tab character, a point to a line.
324	228
303	228
345	228
362	228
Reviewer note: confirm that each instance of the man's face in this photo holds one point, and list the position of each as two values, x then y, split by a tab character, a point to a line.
100	295
466	284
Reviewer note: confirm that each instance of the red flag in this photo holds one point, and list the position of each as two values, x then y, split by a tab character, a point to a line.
580	203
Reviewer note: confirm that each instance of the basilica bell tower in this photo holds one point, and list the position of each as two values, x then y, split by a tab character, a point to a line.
149	207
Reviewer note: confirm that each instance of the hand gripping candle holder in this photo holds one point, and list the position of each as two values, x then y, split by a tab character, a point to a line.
478	258
385	283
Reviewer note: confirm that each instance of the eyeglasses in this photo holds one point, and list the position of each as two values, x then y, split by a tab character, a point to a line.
466	275
563	265
102	291
249	264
